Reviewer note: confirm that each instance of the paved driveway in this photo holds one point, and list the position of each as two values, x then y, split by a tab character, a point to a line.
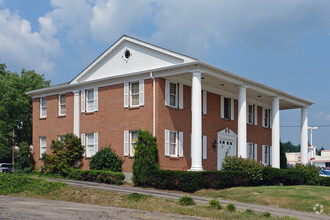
27	208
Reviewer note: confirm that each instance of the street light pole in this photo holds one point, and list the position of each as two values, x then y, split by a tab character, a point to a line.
312	128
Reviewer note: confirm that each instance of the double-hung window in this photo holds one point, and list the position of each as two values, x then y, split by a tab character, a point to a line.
227	108
43	146
252	114
43	107
173	143
61	105
266	155
173	94
89	100
134	94
252	151
266	118
90	141
130	139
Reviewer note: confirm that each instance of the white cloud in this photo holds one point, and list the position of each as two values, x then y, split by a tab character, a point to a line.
22	48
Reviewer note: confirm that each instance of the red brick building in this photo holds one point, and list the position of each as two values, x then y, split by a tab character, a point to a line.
198	112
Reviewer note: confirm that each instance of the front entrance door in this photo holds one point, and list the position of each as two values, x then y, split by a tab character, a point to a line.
226	145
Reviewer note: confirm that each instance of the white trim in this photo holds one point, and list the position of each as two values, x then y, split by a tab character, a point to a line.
131	154
60	105
96	99
126	147
180	95
255	114
167	93
153	105
83	104
87	91
126	95
204	102
232	108
43	149
255	156
76	113
167	143
141	92
204	147
222	106
180	144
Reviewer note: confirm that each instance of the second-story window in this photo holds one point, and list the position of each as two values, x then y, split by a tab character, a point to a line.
135	93
43	107
173	95
62	105
266	118
227	108
90	100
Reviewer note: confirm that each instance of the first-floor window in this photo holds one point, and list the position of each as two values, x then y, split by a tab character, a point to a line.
252	151
266	155
173	143
61	137
43	146
133	140
90	141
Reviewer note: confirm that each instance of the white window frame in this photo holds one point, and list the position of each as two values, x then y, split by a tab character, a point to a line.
132	94
266	157
87	144
128	94
43	145
266	118
131	143
229	108
43	107
61	105
178	145
175	95
90	100
250	114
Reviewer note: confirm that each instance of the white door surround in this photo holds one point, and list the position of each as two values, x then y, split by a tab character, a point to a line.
227	140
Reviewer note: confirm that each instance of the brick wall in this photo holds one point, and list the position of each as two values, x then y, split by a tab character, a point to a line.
112	119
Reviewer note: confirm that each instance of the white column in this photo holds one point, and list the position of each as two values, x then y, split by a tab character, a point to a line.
196	122
76	113
276	133
304	135
242	122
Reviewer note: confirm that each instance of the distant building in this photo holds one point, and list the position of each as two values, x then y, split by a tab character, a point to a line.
323	160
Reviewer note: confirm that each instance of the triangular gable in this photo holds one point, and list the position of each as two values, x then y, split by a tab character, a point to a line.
129	55
227	133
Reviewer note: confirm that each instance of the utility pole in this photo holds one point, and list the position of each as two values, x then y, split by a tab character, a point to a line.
312	128
13	150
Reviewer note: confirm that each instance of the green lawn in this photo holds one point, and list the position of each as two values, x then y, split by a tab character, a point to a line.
302	198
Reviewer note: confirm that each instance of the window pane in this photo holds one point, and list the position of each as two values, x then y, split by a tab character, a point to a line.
173	88
62	100
43	102
90	139
135	99
63	110
90	106
172	100
135	88
227	108
172	149
90	94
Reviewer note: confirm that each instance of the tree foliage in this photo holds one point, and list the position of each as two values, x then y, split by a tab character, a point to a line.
106	159
289	147
16	107
283	160
145	163
66	154
24	158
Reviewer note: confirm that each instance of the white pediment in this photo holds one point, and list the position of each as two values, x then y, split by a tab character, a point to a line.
227	133
129	55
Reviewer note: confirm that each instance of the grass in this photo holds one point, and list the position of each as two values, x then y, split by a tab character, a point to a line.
301	198
64	192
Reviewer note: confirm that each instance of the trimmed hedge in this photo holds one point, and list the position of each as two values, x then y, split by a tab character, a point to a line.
274	176
187	181
324	181
100	176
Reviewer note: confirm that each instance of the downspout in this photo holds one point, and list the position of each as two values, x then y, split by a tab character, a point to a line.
154	104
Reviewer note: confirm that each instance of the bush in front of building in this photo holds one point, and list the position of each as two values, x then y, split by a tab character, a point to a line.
106	159
65	155
324	181
251	167
274	176
145	163
310	173
24	161
100	176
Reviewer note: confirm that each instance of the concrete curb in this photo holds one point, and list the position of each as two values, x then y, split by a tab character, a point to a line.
199	200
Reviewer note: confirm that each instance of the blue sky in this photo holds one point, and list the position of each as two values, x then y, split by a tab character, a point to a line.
284	43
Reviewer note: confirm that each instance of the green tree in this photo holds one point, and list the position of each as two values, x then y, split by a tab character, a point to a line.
24	158
16	107
145	159
289	147
283	160
66	154
106	159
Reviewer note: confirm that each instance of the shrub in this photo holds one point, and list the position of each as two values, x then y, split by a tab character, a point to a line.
266	214
230	207
249	211
137	197
274	176
106	159
224	179
215	204
186	201
145	163
65	155
310	173
13	183
100	176
24	161
324	181
251	167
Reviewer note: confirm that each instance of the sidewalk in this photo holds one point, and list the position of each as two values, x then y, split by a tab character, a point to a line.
199	200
